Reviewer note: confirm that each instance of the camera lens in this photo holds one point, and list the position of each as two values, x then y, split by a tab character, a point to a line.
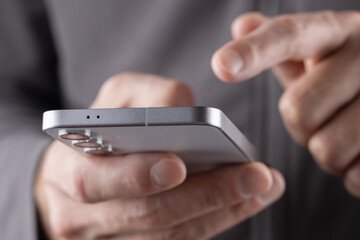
104	151
93	143
74	135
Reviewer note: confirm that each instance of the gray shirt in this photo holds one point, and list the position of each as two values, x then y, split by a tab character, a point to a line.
57	53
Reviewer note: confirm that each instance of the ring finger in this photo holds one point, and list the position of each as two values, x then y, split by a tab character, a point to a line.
209	225
199	195
337	144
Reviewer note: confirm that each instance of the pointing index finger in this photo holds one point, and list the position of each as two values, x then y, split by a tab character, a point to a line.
288	37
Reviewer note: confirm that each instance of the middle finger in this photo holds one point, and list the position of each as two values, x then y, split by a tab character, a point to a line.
336	145
318	95
199	195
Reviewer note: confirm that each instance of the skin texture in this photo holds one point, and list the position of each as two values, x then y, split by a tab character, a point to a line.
147	195
316	57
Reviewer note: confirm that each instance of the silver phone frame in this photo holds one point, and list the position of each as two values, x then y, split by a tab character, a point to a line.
157	116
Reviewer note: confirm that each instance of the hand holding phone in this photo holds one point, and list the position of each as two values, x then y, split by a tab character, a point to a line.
146	195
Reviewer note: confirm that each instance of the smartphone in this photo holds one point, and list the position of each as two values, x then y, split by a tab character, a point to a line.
202	136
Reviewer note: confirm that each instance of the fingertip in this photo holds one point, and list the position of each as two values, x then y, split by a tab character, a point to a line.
276	191
278	179
168	172
352	181
255	179
227	64
219	73
267	175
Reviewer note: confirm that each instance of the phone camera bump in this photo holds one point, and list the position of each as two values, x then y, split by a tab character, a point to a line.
104	151
74	135
92	143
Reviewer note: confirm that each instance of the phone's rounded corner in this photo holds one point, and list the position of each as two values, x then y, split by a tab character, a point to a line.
212	117
49	113
49	120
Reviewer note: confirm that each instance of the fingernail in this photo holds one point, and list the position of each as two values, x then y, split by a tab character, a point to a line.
316	148
230	61
167	173
254	180
288	109
352	180
275	191
353	176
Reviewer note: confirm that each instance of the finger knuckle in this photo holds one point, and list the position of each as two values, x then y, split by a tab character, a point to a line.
290	29
332	19
329	16
109	84
353	17
151	214
292	110
123	76
178	86
245	210
112	88
61	226
133	186
132	180
288	26
116	82
212	197
119	78
175	88
76	188
216	196
323	148
173	93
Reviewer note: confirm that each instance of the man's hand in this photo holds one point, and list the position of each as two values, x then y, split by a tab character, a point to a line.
317	59
146	196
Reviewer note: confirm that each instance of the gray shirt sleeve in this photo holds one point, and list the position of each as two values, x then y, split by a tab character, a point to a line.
28	86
